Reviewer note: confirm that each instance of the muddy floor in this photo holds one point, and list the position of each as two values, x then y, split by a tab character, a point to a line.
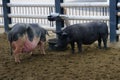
91	64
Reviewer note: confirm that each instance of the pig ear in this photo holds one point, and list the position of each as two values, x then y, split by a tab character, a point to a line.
30	33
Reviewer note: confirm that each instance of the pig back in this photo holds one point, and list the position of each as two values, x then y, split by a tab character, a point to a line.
38	31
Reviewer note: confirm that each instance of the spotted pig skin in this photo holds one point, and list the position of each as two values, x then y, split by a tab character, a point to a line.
25	37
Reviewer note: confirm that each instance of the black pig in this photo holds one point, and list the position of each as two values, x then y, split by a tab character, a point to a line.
84	33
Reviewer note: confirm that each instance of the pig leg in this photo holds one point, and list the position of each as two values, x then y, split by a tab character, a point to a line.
42	47
105	42
79	45
17	52
99	42
72	46
31	53
16	56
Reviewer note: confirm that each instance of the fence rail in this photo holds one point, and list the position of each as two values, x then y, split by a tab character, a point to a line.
1	16
76	12
31	13
86	4
27	16
31	5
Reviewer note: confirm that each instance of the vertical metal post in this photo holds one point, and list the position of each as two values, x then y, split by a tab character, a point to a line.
6	11
58	9
113	20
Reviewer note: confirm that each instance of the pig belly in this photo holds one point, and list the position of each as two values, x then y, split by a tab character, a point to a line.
29	46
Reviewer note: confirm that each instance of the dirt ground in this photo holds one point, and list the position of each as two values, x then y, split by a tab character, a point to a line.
91	64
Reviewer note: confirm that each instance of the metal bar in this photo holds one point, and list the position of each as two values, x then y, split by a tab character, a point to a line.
118	4
1	15
30	5
86	4
87	17
118	14
113	20
1	5
27	16
6	11
58	9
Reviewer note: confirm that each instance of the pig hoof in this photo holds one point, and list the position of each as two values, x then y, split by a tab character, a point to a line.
105	48
43	53
99	47
31	53
79	52
17	61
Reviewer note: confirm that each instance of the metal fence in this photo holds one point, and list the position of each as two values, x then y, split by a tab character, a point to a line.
76	12
38	12
31	13
1	15
85	12
28	13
